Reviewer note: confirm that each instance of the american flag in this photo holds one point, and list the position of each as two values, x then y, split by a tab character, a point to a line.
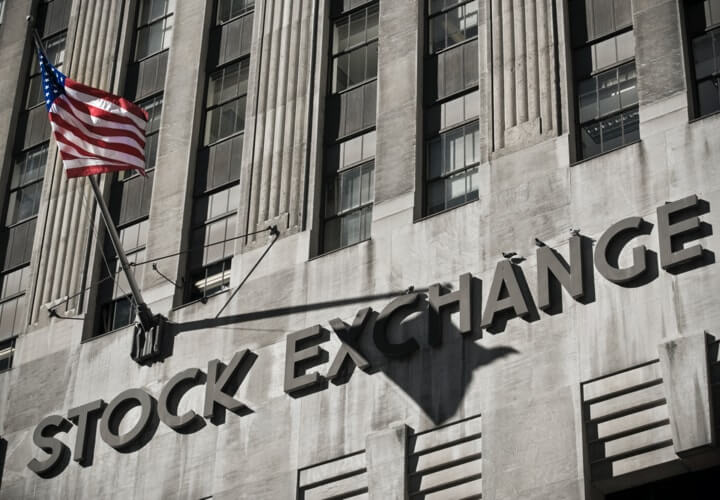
96	132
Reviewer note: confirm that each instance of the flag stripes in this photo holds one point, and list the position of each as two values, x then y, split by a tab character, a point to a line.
96	132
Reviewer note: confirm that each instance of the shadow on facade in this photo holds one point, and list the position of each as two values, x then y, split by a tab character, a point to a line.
435	377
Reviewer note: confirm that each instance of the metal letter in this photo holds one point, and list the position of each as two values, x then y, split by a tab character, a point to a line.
81	416
504	278
348	335
312	354
668	230
43	437
380	334
178	386
218	378
117	409
569	276
611	272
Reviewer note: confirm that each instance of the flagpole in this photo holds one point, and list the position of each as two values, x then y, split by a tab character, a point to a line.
145	315
143	311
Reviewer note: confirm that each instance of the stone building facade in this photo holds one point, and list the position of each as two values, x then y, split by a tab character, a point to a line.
491	269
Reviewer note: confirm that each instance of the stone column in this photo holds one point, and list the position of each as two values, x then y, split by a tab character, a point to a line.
277	132
386	463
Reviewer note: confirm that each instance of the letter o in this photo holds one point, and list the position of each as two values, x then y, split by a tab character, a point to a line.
116	411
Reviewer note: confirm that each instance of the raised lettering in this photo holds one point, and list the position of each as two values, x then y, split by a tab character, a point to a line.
402	303
44	438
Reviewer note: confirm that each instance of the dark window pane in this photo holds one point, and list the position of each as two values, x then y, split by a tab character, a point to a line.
372	60
587	100
373	13
351	228
708	100
29	167
332	235
602	13
24	203
340	72
713	12
435	156
340	35
625	45
356	66
608	94
470	69
611	132
628	85
450	71
436	6
437	33
369	104
453	29
590	140
623	14
703	56
436	196
357	28
470	22
631	126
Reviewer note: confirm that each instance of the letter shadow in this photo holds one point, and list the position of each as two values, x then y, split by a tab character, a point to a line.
705	230
588	272
220	415
176	396
502	317
435	378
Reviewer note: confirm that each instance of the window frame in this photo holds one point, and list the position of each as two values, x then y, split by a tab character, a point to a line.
190	290
434	104
442	12
691	35
331	177
579	77
169	12
8	346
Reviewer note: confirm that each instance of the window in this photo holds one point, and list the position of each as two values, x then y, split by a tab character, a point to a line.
225	104
2	10
348	180
217	176
154	27
24	188
7	349
153	34
452	129
605	76
703	28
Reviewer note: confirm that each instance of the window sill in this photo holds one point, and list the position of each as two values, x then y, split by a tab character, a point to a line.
106	334
700	118
203	301
331	252
604	153
435	214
